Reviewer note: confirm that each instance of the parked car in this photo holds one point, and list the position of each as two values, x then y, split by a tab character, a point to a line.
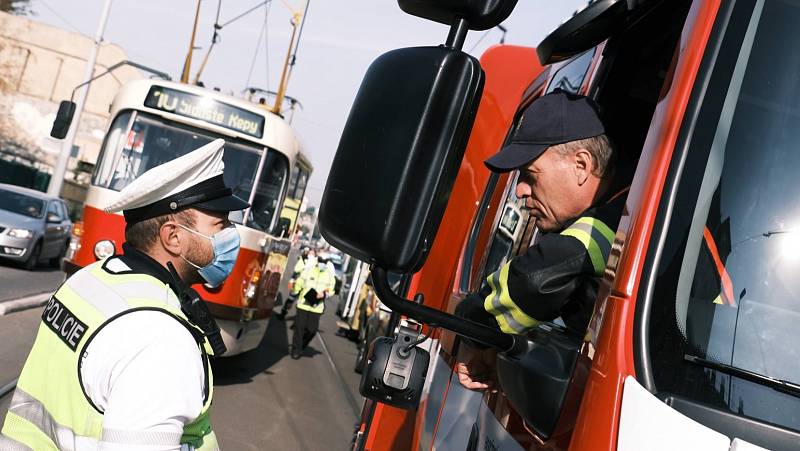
33	226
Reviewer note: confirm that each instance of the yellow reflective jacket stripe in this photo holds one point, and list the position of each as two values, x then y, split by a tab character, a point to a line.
593	234
596	237
509	316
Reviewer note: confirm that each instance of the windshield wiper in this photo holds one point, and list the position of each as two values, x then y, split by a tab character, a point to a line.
780	385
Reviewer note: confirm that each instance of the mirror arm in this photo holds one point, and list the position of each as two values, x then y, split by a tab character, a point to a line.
437	318
457	34
111	68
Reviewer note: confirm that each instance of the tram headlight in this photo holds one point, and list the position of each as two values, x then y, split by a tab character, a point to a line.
103	249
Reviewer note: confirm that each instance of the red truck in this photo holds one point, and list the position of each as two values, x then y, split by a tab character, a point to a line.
692	343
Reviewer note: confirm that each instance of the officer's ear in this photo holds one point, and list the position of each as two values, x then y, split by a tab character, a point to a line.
584	165
169	237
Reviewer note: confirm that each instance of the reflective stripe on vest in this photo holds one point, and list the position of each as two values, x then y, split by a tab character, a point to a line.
53	413
596	237
509	316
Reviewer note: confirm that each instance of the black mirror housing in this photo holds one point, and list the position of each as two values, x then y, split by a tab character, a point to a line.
479	14
66	110
536	378
399	155
583	31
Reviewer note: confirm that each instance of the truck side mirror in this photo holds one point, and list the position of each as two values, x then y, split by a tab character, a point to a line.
537	377
66	110
480	14
583	31
399	155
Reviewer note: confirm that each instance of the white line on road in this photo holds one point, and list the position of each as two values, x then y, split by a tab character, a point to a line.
25	303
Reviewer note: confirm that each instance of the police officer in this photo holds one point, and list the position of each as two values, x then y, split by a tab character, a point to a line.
568	180
316	284
307	259
121	358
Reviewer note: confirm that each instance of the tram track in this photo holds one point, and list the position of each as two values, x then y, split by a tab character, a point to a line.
351	401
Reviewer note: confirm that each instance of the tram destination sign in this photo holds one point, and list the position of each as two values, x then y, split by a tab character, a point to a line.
205	109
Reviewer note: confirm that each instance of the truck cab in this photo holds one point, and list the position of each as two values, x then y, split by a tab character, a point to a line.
690	343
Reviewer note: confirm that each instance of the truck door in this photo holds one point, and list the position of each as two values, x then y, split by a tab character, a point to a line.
502	229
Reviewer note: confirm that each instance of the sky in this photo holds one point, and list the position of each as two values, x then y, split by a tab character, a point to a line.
340	39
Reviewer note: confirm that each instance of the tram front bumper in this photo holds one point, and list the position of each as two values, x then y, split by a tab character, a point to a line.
241	337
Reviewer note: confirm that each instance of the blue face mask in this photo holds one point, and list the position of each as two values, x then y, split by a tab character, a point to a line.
226	249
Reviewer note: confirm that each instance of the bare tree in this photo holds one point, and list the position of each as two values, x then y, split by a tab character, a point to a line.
17	7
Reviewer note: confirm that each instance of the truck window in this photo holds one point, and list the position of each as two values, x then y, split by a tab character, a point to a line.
505	242
570	77
726	287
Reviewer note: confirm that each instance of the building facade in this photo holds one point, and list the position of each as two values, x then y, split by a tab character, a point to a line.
40	65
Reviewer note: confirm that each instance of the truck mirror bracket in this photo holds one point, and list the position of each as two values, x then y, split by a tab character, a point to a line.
505	343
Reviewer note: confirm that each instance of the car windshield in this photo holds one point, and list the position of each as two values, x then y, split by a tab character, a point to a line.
727	289
137	142
21	204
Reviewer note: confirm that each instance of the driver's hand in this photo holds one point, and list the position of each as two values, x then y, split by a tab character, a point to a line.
476	368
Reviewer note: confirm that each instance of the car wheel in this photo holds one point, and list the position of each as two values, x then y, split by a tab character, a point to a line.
55	262
33	258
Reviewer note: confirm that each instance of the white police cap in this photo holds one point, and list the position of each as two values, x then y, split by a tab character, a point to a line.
192	180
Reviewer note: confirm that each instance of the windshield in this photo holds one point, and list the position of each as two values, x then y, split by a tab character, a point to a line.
137	142
728	289
21	204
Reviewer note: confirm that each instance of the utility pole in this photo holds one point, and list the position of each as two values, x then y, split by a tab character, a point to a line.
54	189
187	65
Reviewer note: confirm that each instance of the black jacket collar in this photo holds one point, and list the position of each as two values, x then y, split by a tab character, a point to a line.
140	262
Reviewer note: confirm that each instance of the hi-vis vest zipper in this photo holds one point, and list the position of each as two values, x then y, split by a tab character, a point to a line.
49	409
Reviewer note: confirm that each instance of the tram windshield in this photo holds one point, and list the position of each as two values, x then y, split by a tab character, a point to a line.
137	142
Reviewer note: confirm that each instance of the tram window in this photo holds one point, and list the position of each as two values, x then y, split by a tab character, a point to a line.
133	147
112	145
239	174
301	184
268	193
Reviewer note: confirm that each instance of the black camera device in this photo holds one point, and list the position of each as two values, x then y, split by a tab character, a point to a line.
396	370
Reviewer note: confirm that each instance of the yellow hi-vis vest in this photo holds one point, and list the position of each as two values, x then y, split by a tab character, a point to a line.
49	409
321	280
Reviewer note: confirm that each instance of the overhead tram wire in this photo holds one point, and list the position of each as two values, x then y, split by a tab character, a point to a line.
255	54
218	27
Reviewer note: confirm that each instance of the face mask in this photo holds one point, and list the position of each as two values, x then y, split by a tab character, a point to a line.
226	249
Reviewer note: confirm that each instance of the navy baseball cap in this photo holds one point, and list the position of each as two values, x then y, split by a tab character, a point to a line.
555	118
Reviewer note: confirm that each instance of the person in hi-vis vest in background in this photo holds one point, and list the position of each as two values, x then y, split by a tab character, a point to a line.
121	357
316	284
307	259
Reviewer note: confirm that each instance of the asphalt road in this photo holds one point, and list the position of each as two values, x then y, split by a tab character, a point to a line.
262	399
16	282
